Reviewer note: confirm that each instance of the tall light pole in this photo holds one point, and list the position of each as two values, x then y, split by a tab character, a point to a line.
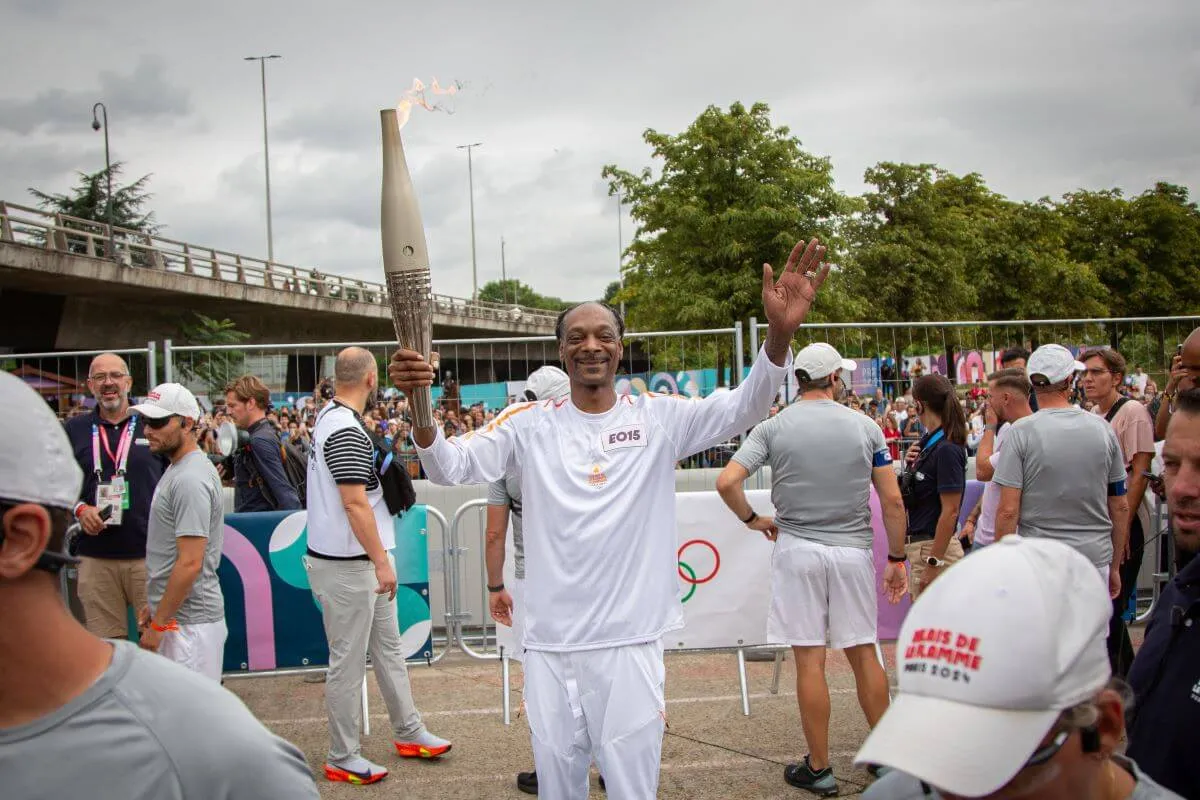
620	252
471	182
96	125
262	63
503	274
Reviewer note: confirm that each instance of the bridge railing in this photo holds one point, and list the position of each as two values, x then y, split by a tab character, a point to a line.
62	233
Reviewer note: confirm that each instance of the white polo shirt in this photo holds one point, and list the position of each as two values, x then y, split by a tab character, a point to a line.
598	501
342	454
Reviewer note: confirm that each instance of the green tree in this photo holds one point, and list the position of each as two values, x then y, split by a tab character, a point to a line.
210	370
732	192
513	292
88	200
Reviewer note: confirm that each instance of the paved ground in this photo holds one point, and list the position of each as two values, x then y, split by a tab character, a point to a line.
711	750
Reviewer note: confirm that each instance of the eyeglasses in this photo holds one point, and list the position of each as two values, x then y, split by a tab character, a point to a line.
112	376
160	422
1048	750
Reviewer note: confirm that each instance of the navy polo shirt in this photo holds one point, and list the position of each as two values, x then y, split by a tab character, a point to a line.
941	468
142	472
1165	678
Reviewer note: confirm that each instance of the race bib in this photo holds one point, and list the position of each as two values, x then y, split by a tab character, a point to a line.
622	437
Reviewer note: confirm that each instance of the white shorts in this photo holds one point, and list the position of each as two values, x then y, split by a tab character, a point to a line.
817	589
199	647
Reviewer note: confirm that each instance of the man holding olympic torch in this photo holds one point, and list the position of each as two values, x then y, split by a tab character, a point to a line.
598	484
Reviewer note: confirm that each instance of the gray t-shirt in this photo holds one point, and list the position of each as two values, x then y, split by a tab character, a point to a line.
507	492
821	455
900	786
148	728
1063	460
187	502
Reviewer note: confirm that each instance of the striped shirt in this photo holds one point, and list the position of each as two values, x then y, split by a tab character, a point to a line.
342	455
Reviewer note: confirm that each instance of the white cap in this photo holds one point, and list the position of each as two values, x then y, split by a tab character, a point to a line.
820	359
36	462
167	399
548	383
1054	363
988	657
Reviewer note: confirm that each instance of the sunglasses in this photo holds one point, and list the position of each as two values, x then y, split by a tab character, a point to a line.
160	422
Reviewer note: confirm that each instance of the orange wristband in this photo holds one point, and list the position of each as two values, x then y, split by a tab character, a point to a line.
170	626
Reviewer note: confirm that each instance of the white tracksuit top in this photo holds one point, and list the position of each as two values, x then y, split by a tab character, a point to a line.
598	501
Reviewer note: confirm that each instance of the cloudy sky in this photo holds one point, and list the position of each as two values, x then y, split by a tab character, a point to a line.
1041	97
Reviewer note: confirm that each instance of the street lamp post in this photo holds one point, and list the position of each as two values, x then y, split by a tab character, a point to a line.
96	125
471	182
620	253
262	62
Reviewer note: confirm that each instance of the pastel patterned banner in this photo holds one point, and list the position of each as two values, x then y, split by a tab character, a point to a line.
274	622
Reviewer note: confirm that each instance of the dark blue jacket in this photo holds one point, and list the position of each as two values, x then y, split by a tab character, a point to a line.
263	465
1165	678
142	471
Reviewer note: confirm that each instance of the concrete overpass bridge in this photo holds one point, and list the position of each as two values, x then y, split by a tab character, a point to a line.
73	284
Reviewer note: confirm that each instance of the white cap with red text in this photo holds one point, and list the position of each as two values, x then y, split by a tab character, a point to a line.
36	462
820	359
548	383
168	399
989	656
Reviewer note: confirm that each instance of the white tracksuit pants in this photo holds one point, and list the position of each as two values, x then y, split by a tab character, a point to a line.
606	705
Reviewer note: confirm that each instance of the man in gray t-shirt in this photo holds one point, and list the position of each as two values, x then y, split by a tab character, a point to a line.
1061	472
84	717
824	458
185	618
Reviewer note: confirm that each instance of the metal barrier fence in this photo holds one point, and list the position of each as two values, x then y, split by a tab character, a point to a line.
950	347
674	361
61	377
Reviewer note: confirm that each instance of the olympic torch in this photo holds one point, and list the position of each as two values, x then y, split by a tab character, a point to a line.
405	259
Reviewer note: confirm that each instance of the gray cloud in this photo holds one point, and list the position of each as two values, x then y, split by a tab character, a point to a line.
143	94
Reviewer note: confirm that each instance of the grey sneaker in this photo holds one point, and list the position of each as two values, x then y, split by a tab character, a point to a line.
819	782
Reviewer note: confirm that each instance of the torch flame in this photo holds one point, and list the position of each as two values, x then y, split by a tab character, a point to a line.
416	96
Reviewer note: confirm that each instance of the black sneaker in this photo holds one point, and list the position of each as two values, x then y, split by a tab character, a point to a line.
527	782
819	782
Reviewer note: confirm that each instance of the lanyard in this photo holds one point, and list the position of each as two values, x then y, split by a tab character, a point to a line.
119	458
937	437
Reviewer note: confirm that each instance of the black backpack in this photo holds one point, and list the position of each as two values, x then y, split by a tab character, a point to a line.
398	490
295	469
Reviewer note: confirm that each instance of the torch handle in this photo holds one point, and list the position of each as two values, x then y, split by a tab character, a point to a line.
412	315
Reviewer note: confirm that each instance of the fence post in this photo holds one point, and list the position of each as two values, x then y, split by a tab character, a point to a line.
740	358
6	233
168	366
151	365
753	338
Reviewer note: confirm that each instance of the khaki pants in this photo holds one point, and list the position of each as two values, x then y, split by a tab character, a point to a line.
917	552
358	620
108	587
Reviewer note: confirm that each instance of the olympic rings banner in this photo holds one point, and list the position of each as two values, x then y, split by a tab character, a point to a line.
274	622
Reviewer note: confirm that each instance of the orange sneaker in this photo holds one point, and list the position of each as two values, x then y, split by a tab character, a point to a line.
426	745
372	773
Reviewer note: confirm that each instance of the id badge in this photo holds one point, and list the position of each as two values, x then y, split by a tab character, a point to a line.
108	497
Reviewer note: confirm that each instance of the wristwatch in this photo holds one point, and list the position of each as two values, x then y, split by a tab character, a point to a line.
934	561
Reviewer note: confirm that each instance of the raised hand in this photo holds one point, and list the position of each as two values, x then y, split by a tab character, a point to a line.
787	299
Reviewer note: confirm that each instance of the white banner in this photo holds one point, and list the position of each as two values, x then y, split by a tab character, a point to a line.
724	575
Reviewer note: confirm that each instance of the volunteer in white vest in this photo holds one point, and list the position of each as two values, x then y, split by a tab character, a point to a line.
598	485
350	532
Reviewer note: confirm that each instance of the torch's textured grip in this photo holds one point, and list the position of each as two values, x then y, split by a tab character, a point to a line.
412	316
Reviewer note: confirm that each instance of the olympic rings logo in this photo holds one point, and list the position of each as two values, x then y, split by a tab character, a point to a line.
691	578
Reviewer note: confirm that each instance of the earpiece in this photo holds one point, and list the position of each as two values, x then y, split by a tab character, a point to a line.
1089	738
